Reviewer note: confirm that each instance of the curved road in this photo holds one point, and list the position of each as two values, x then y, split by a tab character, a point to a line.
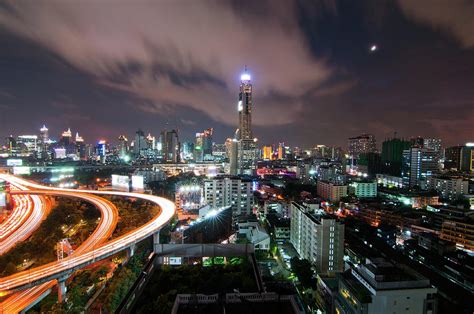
25	218
108	221
69	264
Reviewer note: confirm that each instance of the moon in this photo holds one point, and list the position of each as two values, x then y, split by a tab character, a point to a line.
373	48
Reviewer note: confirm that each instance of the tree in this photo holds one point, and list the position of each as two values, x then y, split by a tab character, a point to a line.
302	269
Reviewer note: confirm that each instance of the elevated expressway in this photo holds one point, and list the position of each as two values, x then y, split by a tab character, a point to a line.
61	270
25	218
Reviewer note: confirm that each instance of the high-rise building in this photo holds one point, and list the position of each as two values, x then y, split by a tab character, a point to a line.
44	142
452	157
170	146
267	152
203	146
140	143
392	155
418	165
247	146
27	144
448	187
187	151
317	237
364	143
65	139
229	191
122	146
81	147
467	158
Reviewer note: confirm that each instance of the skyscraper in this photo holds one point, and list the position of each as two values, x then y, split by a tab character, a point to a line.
140	143
247	147
418	165
170	146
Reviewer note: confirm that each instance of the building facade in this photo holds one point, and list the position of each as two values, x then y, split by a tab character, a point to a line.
317	237
229	191
331	191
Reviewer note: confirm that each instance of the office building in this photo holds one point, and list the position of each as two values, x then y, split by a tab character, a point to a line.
140	143
378	286
364	143
331	191
448	187
122	146
392	155
452	157
80	147
27	144
418	165
170	146
467	158
203	146
317	237
229	191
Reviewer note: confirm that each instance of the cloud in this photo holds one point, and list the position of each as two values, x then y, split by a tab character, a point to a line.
180	54
453	16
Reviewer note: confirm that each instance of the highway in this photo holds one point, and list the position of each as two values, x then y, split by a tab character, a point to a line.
56	270
25	218
106	226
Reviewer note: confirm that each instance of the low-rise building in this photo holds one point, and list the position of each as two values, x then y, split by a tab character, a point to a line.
363	189
331	191
256	234
389	181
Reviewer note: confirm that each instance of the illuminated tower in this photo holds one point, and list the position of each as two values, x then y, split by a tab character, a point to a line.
247	148
245	107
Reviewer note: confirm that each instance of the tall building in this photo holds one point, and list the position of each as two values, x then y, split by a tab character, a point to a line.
378	286
122	146
364	143
247	146
267	152
452	157
392	155
203	146
229	191
28	144
65	139
317	237
467	158
44	142
418	165
140	143
80	147
170	146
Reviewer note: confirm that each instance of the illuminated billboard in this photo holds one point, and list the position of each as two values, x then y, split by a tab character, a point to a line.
14	162
120	182
137	183
21	170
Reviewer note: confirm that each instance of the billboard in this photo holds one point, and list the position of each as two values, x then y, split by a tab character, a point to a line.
137	183
120	182
21	170
14	162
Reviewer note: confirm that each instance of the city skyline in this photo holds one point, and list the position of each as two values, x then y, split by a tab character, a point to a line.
321	72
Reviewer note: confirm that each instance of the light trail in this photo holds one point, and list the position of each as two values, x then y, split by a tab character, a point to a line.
107	223
25	218
71	263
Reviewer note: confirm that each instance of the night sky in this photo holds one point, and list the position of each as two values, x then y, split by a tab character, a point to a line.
106	68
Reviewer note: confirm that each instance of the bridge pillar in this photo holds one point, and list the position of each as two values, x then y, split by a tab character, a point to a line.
156	238
130	251
61	290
